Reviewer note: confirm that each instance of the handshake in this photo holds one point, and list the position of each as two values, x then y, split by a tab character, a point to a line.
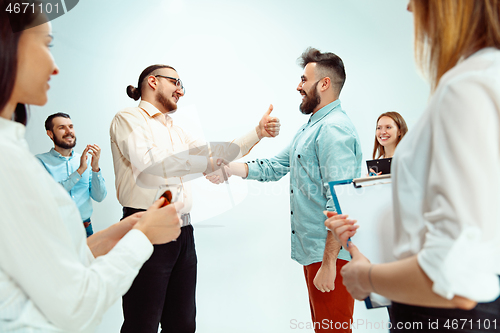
218	170
223	170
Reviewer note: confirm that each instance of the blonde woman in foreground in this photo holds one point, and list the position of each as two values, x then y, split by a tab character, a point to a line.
446	182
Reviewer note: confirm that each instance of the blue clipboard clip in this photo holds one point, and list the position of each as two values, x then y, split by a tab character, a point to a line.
334	195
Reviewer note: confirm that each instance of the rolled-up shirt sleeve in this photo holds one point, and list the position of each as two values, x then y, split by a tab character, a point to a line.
462	193
229	151
246	143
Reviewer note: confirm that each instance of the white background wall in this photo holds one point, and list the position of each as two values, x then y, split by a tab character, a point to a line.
235	58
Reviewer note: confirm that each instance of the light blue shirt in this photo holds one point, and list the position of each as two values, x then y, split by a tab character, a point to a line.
325	149
81	188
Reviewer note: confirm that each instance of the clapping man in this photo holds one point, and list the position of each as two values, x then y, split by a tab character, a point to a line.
72	170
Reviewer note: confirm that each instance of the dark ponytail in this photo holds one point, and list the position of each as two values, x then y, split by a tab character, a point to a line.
133	93
136	93
21	114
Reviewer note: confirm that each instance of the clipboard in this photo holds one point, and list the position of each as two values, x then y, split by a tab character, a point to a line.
369	201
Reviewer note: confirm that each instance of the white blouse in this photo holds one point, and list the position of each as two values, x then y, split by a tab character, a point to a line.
49	279
446	183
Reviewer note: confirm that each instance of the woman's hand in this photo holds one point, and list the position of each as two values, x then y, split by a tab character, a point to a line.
341	227
161	224
373	173
356	274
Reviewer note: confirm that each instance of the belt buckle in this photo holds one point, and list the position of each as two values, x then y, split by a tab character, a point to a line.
185	220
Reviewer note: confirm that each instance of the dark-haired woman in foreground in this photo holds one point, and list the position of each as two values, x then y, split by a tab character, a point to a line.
50	280
446	182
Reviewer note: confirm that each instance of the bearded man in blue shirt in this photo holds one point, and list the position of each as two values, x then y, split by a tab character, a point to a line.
70	169
325	149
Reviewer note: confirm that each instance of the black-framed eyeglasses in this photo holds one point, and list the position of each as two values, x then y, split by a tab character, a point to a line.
178	82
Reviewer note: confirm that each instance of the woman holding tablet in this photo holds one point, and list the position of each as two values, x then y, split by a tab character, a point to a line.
50	280
446	182
391	128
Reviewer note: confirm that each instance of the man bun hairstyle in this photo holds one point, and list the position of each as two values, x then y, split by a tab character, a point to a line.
136	92
133	92
327	65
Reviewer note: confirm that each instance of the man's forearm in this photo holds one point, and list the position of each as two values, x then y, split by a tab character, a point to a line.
245	143
332	249
103	241
239	169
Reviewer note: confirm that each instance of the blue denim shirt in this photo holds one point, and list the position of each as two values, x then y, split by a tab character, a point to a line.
325	149
81	188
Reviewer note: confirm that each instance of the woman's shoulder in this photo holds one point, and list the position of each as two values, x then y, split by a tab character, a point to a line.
481	67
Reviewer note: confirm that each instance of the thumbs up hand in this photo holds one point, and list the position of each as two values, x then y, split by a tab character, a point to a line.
268	126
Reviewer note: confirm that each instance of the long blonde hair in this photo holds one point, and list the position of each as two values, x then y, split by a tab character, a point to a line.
447	30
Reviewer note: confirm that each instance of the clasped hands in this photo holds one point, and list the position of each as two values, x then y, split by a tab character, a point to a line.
93	150
220	171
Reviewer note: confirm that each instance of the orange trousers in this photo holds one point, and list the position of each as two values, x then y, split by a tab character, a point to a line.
332	311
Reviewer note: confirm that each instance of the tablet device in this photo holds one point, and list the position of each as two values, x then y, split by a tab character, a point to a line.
381	165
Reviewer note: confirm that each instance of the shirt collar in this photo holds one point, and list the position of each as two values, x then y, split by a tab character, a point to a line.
324	111
55	153
152	111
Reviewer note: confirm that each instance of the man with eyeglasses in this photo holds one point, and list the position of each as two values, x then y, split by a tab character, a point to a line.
149	150
325	149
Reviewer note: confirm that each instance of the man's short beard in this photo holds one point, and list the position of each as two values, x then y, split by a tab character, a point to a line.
310	102
167	104
64	145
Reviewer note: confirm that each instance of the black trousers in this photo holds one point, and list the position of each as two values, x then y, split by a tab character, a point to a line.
164	290
485	317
